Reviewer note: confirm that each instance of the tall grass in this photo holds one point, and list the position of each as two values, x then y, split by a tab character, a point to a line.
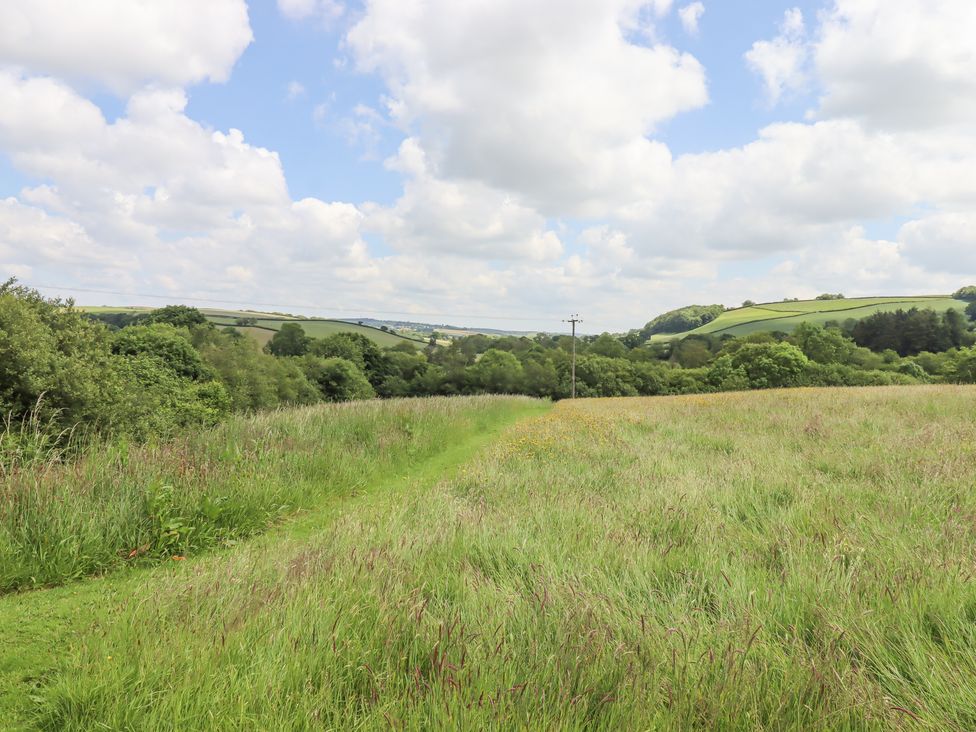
777	560
120	504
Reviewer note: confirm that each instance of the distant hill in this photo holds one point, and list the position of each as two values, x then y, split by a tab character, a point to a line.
262	326
442	328
785	316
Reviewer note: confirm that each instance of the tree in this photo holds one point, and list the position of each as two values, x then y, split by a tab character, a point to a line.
599	376
289	341
965	293
692	352
165	343
338	380
682	319
49	350
823	345
179	316
829	296
496	372
964	369
771	365
606	345
971	310
748	303
256	380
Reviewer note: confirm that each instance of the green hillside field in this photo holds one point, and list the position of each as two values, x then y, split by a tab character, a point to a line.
495	563
785	316
269	323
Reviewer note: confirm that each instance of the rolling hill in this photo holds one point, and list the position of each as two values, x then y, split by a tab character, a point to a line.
266	324
785	316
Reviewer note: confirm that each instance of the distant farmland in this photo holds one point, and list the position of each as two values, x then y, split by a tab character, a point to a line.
266	324
785	316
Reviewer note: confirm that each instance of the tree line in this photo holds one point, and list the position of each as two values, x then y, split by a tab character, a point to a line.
152	375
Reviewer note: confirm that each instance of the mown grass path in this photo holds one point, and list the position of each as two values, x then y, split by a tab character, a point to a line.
40	629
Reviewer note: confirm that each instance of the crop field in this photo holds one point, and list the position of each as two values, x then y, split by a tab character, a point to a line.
268	323
778	560
785	316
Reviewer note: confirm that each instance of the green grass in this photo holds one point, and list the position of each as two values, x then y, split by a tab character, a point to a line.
118	504
760	560
785	316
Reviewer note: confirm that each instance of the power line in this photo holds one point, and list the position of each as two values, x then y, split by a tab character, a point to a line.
172	297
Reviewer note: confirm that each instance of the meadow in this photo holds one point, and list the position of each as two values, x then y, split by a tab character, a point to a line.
785	316
773	560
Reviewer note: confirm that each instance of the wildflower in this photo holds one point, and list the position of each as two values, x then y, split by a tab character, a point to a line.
177	558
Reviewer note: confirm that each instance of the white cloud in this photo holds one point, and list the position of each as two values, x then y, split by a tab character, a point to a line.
326	10
899	64
563	123
124	44
295	90
782	61
464	218
510	147
944	241
796	185
691	16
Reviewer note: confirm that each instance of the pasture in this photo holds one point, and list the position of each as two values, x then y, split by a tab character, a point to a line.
770	560
266	324
785	316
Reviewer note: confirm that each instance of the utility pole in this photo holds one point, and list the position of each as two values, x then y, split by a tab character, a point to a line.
574	319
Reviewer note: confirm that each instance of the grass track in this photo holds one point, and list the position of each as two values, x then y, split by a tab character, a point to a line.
38	627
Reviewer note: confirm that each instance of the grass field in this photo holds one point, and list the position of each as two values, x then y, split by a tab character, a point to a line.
268	323
785	316
760	560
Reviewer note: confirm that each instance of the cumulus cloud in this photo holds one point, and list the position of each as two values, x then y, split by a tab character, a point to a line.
899	64
163	167
564	124
943	241
690	16
467	219
124	44
510	147
796	185
781	62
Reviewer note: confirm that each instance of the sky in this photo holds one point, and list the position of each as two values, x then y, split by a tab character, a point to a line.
501	163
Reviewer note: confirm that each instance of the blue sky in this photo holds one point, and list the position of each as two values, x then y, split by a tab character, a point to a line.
513	160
